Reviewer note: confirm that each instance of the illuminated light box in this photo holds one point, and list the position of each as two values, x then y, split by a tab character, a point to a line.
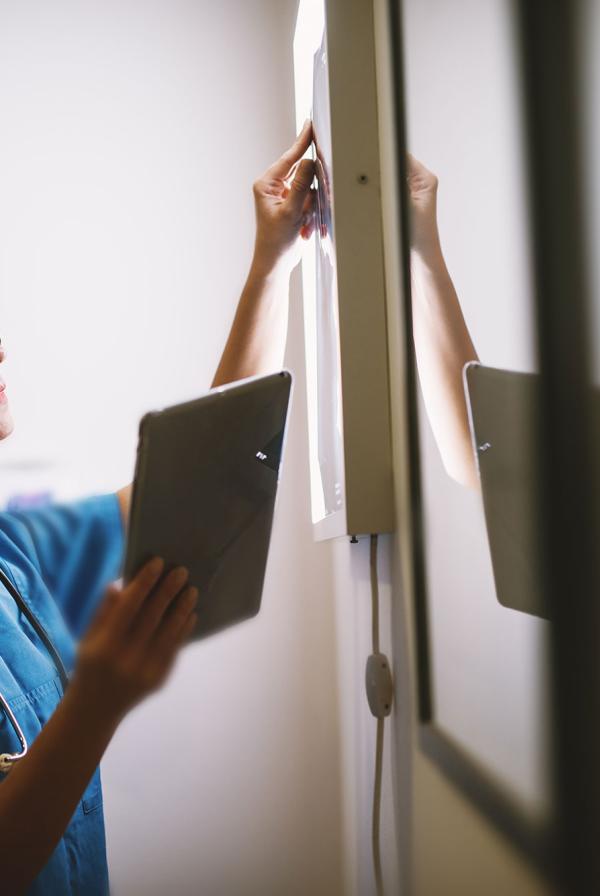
343	273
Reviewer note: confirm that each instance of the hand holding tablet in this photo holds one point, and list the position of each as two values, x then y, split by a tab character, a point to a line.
204	494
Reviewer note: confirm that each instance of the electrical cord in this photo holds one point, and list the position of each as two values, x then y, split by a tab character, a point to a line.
374	595
376	831
376	820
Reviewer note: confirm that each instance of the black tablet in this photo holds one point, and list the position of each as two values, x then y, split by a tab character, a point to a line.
204	493
503	407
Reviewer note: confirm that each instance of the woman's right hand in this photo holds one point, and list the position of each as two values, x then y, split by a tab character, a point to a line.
132	643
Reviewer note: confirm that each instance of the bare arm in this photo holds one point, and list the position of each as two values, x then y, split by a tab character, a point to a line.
126	654
284	211
442	342
256	342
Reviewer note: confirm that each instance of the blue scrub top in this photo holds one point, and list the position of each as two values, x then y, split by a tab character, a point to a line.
60	558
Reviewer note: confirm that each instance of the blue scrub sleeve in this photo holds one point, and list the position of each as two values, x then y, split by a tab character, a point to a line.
78	549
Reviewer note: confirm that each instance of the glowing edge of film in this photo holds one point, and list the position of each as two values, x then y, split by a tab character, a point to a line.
307	39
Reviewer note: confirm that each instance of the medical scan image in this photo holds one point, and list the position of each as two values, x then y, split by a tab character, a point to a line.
328	354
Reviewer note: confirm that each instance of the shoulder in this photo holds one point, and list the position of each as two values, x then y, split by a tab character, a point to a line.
43	540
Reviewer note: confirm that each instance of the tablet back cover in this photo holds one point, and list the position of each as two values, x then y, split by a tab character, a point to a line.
503	407
204	494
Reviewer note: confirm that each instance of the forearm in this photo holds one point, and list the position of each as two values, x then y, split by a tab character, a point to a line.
256	342
443	347
41	793
284	211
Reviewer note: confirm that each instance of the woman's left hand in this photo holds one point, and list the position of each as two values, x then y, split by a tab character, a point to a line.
284	207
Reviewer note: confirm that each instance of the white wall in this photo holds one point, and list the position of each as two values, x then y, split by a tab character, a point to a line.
132	132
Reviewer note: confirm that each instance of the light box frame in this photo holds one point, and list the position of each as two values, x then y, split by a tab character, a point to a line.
364	370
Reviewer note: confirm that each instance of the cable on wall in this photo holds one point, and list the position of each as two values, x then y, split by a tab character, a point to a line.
379	694
374	595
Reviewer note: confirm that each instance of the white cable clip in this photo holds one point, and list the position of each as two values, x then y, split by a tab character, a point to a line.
380	687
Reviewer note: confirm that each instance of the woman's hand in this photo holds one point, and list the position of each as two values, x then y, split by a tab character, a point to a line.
284	212
284	208
422	189
130	647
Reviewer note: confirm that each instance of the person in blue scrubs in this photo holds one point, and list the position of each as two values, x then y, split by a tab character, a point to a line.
60	705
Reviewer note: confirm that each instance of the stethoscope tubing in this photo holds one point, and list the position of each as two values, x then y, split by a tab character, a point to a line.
7	760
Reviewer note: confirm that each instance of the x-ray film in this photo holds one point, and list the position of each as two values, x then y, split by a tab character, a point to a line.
329	440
